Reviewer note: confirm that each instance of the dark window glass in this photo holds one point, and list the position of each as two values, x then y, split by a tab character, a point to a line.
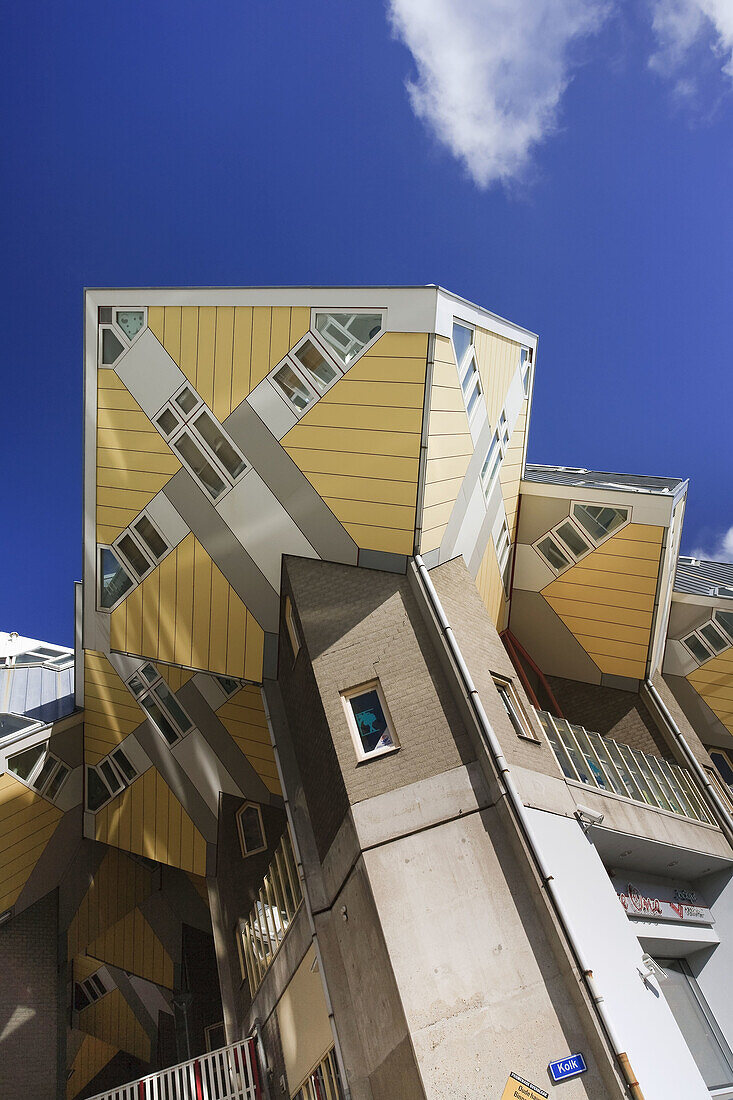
159	719
134	555
311	359
23	764
371	721
80	998
250	825
97	793
105	314
124	765
109	774
210	432
45	773
12	723
186	400
723	765
201	467
150	537
113	580
111	347
174	708
57	782
168	421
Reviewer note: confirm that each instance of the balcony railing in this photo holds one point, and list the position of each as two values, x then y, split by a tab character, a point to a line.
227	1074
323	1082
261	933
610	766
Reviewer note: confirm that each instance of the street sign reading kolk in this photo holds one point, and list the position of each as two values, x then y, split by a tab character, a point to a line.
567	1067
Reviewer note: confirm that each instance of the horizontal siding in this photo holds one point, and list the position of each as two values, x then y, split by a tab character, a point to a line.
27	823
91	1057
490	587
185	612
112	1020
714	683
367	429
117	886
450	446
126	441
498	361
110	712
148	819
244	718
607	599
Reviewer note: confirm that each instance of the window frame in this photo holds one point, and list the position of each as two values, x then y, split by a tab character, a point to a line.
249	805
565	549
137	577
33	776
728	756
525	368
700	638
113	326
354	311
108	546
320	387
361	689
502	683
505	552
471	397
149	687
292	629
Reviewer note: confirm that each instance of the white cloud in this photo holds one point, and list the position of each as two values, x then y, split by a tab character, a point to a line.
491	73
681	25
722	549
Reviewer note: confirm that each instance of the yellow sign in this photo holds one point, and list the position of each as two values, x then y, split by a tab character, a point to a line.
518	1089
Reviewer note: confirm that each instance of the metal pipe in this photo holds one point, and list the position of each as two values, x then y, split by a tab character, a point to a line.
517	806
307	901
713	798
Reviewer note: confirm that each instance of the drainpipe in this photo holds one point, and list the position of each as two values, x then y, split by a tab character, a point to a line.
714	800
307	903
517	807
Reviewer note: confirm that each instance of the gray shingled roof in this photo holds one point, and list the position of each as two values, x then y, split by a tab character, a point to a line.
704	578
596	479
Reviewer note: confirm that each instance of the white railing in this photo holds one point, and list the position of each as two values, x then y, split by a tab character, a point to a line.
227	1074
611	766
262	932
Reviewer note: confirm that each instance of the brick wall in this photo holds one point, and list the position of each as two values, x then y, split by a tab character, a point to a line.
361	625
621	715
29	1011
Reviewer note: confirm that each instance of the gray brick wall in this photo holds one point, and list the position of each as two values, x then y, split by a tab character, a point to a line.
621	715
361	625
29	1007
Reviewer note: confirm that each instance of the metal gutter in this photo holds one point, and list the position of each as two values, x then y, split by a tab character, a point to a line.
712	797
519	812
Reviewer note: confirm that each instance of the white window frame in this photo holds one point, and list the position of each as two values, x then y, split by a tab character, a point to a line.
240	831
346	697
562	546
525	368
488	481
107	610
125	561
320	387
468	364
32	780
354	311
697	633
292	629
300	373
121	336
149	689
141	541
501	683
91	992
503	551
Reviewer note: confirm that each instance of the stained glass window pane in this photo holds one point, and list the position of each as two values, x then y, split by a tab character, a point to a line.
371	721
130	321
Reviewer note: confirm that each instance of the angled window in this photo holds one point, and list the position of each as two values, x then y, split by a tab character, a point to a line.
212	434
124	767
167	421
503	548
130	321
512	706
89	991
131	553
724	619
714	638
470	384
294	388
697	648
114	581
598	520
97	791
462	341
199	466
228	684
159	703
490	467
151	537
14	723
569	534
40	769
251	829
315	364
41	655
292	627
111	347
187	400
525	367
348	334
205	449
552	553
57	782
369	722
25	764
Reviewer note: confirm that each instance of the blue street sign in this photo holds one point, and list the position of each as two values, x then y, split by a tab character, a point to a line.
567	1067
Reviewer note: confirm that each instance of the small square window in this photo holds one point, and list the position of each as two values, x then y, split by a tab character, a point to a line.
293	387
187	400
168	421
369	722
514	710
251	829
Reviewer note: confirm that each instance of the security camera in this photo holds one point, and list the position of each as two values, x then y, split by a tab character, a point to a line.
652	969
588	817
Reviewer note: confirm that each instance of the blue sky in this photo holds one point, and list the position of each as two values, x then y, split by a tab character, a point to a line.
566	163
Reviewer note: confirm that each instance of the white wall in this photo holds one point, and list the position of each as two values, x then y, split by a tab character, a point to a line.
641	1018
713	968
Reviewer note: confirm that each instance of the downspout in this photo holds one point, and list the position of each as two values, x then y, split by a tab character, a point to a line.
714	800
518	809
307	903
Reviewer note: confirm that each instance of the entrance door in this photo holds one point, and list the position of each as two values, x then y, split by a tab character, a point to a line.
696	1022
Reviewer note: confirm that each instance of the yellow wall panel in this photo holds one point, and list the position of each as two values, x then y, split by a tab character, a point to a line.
147	808
241	355
591	597
118	885
713	681
126	441
261	330
223	362
490	587
27	823
131	945
498	361
112	1020
91	1057
365	429
110	712
156	321
244	718
205	354
185	606
174	677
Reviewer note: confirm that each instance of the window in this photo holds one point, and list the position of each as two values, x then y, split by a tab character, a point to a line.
491	465
14	723
118	329
291	627
578	534
696	1022
348	334
294	388
462	340
112	347
133	556
89	991
599	521
130	321
503	548
468	374
215	1036
724	764
39	769
525	367
514	709
108	778
203	446
371	729
320	372
251	829
114	581
159	703
152	538
725	620
228	684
